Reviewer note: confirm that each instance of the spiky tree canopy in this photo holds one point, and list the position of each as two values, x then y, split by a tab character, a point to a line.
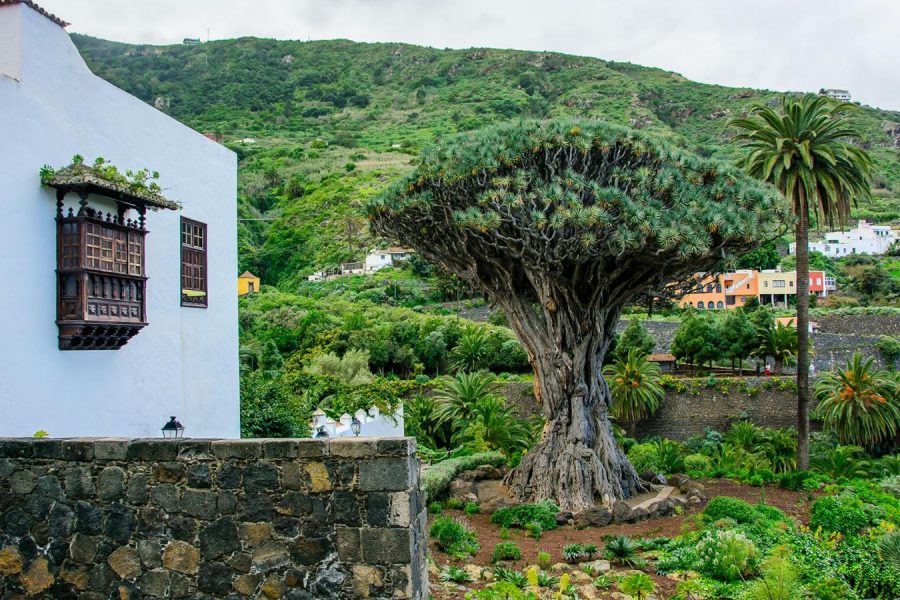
574	201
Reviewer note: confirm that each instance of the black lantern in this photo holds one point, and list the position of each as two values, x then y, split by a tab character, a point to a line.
173	429
355	426
321	433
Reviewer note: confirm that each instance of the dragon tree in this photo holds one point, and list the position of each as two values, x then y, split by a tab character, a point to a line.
561	224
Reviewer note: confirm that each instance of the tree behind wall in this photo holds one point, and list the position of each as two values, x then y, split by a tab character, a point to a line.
635	337
561	224
805	151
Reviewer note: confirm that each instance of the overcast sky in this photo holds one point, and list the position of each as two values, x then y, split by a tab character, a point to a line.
775	44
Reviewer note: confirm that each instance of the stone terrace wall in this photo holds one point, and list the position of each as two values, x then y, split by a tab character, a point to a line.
690	412
112	518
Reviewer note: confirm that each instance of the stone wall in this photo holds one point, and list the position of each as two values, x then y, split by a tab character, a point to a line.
770	403
767	401
114	518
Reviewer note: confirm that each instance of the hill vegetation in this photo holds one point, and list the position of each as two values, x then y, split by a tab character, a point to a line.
335	122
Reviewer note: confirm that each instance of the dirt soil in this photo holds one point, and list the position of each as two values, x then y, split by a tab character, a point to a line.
794	504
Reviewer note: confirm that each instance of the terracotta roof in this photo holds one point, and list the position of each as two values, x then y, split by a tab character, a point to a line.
34	6
247	275
661	358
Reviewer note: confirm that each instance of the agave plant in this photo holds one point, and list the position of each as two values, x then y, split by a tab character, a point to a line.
635	386
844	461
889	548
860	403
518	579
573	552
455	574
620	549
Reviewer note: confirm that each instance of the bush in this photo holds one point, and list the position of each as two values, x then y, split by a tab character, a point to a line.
891	485
435	508
844	514
471	508
543	559
506	551
543	513
726	555
697	462
643	457
725	507
436	479
454	537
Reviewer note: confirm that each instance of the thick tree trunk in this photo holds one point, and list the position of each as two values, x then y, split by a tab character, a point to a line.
577	463
802	235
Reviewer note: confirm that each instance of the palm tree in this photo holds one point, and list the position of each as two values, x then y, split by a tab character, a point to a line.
471	351
804	150
637	585
635	386
494	423
860	403
458	395
779	342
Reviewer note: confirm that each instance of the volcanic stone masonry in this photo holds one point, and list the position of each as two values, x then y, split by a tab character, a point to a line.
93	519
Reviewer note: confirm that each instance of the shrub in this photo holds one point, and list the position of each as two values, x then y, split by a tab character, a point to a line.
543	559
543	513
546	580
643	457
891	485
504	533
726	555
471	508
725	507
506	551
669	455
454	537
604	582
780	580
844	514
436	479
572	552
590	550
455	504
830	588
534	529
697	463
435	508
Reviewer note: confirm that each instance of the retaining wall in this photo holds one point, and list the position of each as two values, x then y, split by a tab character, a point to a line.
116	518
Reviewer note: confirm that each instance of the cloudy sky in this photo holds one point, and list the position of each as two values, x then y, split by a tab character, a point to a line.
775	44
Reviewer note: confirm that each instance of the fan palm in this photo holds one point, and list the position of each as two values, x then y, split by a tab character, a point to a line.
804	150
860	403
458	395
781	343
635	386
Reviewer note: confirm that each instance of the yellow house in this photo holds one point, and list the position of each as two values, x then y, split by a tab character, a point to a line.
248	283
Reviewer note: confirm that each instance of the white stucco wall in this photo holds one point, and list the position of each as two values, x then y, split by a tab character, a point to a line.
185	362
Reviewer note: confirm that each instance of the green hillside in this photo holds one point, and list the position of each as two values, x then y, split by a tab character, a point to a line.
336	121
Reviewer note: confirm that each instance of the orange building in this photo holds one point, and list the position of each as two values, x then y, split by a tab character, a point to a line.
727	290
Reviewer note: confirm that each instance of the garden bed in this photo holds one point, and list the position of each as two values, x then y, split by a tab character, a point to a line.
794	504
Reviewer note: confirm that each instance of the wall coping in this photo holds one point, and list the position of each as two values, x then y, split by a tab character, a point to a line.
85	449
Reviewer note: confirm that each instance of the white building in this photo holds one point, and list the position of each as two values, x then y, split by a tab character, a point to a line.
842	95
378	259
135	319
865	239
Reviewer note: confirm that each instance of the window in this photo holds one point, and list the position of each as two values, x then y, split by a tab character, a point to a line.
193	264
719	304
779	283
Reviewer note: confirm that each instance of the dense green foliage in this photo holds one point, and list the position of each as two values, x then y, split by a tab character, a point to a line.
635	386
454	536
543	513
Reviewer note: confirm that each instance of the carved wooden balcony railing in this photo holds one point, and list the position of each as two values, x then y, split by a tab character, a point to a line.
101	272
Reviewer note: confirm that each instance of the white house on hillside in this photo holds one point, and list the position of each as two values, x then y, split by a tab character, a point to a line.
865	239
378	259
119	309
